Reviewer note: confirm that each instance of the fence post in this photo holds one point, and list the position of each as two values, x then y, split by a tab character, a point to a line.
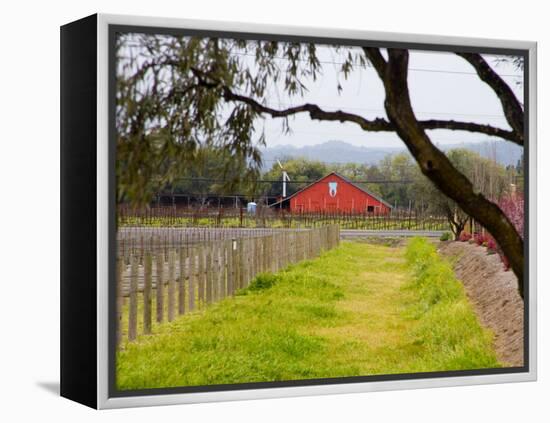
234	266
258	253
216	272
147	291
184	254
304	245
225	280
265	255
132	314
191	283
258	245
221	271
119	298
270	250
246	263
249	260
276	252
289	255
240	269
171	285
208	270
294	256
201	275
160	284
231	268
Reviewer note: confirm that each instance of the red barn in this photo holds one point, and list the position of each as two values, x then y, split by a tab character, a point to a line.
335	193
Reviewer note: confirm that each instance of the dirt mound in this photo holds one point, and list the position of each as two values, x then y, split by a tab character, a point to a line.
494	294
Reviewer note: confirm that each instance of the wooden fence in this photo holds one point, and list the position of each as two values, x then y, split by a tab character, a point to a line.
157	282
147	237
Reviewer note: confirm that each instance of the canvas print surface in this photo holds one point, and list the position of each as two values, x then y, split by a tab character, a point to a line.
296	210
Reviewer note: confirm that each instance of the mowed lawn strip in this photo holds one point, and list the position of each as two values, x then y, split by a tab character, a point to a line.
360	309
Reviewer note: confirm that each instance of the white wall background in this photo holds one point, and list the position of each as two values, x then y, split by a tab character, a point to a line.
29	177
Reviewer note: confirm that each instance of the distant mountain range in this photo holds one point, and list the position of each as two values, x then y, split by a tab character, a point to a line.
506	153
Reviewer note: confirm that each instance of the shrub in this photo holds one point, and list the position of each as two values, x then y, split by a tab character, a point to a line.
263	281
478	239
445	236
464	236
486	240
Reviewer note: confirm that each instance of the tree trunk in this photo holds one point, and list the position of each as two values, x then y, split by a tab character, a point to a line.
436	166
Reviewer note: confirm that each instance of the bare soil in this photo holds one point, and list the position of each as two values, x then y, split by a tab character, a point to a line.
494	295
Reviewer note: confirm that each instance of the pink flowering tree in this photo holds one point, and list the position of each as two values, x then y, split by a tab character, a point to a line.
513	208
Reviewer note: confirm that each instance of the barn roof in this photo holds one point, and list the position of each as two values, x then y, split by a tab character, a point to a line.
366	191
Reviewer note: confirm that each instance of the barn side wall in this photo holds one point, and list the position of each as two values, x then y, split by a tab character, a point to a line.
348	198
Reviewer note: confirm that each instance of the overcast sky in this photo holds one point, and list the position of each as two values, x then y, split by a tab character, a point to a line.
442	86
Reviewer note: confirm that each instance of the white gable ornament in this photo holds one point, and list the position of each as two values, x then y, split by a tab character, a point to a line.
332	187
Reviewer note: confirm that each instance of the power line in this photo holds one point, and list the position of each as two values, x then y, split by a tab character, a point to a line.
271	181
207	194
298	157
330	62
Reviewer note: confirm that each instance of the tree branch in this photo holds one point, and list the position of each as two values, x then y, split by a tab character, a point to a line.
472	127
315	112
376	125
510	104
376	58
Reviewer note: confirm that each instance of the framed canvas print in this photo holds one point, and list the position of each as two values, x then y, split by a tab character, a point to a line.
254	211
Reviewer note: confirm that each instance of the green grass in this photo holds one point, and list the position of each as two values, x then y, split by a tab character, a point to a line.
447	322
358	310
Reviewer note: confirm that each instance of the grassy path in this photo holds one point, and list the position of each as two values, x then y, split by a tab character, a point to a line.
358	310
